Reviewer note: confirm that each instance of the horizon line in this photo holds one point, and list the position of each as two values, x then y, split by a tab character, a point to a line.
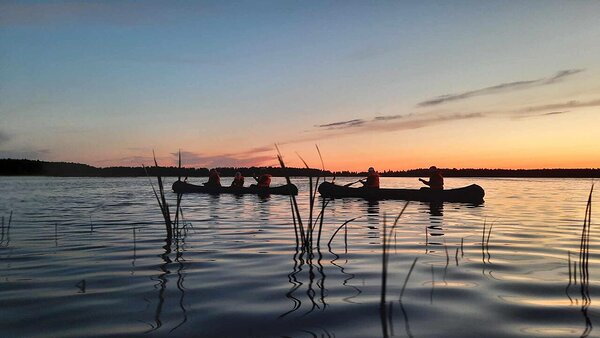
304	168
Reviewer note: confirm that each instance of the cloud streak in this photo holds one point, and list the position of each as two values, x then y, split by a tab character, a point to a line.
390	117
564	105
343	124
501	88
409	121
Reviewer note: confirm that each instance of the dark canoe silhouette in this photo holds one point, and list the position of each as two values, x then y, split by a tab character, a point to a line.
181	187
470	194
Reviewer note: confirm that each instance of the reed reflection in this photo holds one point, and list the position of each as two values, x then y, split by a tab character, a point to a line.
583	266
385	308
485	248
162	279
435	228
264	208
372	214
349	276
134	252
315	284
181	266
402	309
5	233
81	286
308	258
296	284
213	206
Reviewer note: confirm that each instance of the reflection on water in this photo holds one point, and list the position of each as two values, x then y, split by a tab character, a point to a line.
93	252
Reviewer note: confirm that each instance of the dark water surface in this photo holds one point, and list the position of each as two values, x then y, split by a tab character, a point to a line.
85	257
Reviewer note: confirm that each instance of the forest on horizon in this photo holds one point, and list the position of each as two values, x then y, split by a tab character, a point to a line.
17	167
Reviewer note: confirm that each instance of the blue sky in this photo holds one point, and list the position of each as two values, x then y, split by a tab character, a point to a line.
105	82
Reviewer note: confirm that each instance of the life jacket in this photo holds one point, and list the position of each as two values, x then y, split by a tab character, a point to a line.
372	180
264	181
238	182
436	181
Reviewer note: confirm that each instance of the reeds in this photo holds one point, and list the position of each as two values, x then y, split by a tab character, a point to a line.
584	245
583	264
305	229
344	225
305	232
162	201
308	229
485	242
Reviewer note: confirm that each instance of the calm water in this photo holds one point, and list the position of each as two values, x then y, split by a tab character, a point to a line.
85	257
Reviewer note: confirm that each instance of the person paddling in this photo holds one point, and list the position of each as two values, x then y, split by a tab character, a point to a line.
214	180
372	180
436	181
238	180
263	180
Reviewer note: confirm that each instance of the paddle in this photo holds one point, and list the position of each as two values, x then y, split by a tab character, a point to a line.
349	184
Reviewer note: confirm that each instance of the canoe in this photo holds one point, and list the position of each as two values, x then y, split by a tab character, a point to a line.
181	187
469	194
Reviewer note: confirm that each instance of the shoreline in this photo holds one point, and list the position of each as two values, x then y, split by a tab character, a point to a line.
12	167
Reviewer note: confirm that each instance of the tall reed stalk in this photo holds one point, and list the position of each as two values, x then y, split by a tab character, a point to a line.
305	232
162	200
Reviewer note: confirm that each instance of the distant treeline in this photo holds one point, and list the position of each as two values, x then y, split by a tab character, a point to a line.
65	169
42	168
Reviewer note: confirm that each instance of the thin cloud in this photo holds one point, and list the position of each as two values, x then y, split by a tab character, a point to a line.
552	113
561	74
342	124
391	117
420	122
565	105
407	121
555	113
501	88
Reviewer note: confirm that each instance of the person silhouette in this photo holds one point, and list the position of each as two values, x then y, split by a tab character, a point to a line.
436	181
372	180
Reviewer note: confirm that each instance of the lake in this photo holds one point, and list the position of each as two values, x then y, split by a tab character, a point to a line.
86	257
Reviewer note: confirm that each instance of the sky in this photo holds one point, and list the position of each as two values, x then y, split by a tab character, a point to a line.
390	84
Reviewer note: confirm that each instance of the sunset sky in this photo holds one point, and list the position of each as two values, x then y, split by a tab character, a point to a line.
394	85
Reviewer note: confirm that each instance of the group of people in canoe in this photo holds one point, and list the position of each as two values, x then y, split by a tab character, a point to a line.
434	190
262	181
435	182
